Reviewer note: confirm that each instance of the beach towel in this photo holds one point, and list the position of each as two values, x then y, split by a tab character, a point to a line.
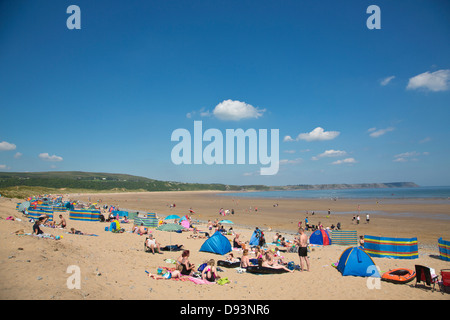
200	281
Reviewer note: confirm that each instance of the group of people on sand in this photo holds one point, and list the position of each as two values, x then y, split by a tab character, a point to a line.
269	258
185	268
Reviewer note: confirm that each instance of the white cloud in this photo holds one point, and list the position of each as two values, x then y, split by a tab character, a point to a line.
6	146
434	81
289	151
2	166
47	157
200	112
318	134
236	110
347	160
18	155
332	153
293	161
287	139
386	80
409	156
425	140
377	133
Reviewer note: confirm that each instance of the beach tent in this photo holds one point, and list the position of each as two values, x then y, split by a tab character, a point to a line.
397	248
355	262
217	243
254	240
444	249
320	237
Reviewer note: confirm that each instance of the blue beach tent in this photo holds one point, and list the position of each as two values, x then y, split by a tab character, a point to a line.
354	261
320	237
217	243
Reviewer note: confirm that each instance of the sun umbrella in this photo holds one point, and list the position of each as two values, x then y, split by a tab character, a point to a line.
24	206
226	221
185	223
172	217
170	227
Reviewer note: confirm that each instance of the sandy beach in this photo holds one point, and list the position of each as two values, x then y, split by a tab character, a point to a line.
113	265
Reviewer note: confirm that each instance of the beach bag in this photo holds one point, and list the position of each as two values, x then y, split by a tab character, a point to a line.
291	265
201	267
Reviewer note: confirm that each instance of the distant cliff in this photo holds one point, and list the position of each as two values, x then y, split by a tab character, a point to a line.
11	183
350	186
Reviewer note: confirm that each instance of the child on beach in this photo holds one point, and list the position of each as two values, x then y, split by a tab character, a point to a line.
209	273
166	275
245	260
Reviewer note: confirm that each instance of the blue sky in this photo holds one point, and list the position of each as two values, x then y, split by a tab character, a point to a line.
107	97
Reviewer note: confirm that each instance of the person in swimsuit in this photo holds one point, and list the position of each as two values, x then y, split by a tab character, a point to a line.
209	273
36	229
237	243
62	223
245	261
73	231
186	267
302	243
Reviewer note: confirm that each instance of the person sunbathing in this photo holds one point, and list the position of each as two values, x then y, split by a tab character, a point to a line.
167	275
238	243
196	235
73	231
231	258
266	264
151	244
141	230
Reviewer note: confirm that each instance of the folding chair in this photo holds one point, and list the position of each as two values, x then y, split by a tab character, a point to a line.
445	277
423	274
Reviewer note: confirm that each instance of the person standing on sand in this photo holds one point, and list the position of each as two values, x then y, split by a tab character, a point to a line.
302	243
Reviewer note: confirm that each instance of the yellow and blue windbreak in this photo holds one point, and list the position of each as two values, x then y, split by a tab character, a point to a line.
397	248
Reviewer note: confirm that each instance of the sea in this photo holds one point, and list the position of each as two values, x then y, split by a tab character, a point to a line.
437	194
